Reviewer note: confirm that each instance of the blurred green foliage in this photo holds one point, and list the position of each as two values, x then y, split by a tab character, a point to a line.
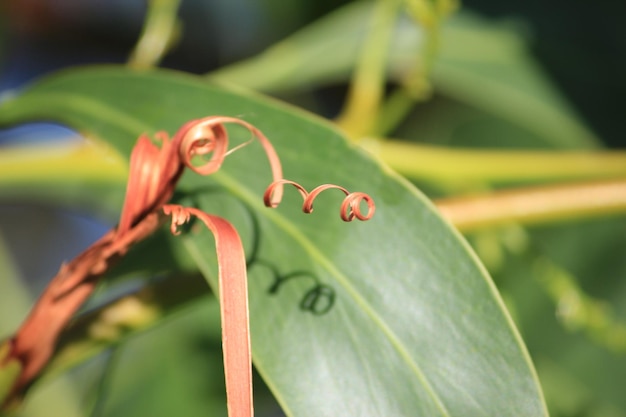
563	283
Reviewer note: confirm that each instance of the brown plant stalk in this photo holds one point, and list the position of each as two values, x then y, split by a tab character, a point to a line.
154	172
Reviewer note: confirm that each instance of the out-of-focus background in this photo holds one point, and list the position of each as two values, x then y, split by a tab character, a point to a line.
581	47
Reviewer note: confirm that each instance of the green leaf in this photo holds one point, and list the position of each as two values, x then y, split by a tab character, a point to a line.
487	65
184	376
390	317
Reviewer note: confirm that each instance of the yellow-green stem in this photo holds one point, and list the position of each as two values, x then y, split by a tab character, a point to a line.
535	205
367	88
416	85
458	167
85	160
158	34
397	106
427	16
442	166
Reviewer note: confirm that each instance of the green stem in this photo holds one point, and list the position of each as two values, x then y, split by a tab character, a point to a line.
416	84
461	167
367	88
443	166
397	106
85	160
426	15
158	33
537	205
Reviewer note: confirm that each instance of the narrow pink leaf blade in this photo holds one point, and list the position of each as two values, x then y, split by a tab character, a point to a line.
233	287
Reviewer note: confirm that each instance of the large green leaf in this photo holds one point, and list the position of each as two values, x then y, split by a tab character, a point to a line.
390	317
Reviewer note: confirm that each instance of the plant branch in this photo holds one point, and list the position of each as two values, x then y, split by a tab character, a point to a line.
535	205
86	160
33	344
367	88
441	165
416	84
158	34
455	166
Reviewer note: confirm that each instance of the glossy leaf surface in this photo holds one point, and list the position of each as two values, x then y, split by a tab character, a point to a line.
384	318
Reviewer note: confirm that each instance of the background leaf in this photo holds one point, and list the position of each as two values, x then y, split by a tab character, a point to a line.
482	66
416	326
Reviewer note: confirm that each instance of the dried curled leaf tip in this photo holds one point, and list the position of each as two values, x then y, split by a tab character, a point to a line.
200	145
350	207
179	214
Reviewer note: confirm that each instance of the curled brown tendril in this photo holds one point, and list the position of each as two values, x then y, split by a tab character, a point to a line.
200	145
350	207
210	136
154	171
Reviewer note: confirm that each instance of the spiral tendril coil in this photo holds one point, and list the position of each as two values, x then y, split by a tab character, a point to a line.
350	207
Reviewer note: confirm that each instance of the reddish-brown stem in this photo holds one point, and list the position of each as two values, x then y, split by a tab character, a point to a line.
34	343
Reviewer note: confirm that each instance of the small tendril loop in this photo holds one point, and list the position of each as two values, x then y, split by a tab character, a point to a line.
209	136
202	138
350	207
